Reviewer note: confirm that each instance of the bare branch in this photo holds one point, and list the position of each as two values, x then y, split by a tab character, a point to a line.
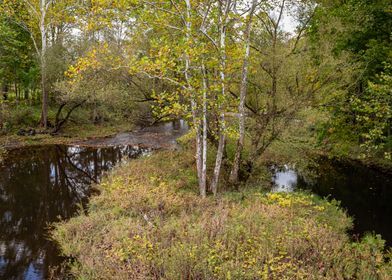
300	33
47	4
164	78
280	15
178	11
209	38
28	30
267	27
159	8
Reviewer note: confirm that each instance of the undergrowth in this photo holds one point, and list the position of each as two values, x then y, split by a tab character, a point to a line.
149	223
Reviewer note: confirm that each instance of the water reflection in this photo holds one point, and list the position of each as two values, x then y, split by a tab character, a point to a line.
366	193
159	136
285	179
38	186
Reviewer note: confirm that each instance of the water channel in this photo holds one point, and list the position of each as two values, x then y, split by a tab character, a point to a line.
364	192
40	185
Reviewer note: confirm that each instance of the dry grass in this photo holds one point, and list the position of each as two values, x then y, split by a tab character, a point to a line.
149	223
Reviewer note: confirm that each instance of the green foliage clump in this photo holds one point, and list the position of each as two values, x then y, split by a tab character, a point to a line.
18	115
374	113
149	223
357	32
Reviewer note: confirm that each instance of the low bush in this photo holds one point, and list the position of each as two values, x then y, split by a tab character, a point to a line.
150	223
21	115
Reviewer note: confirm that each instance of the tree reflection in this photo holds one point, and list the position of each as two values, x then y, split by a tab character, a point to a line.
41	185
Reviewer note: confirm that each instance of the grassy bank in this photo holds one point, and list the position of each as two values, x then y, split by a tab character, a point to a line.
149	223
305	140
70	134
81	124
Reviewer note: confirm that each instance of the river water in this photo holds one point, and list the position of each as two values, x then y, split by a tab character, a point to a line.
44	184
364	192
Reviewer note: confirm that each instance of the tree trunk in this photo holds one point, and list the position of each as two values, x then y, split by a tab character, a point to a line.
241	107
199	157
44	112
59	123
26	93
205	131
5	91
224	19
16	91
218	163
196	121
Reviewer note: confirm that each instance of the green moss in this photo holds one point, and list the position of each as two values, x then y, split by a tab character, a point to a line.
150	223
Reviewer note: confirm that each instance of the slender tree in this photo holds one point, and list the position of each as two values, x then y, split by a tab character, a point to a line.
243	90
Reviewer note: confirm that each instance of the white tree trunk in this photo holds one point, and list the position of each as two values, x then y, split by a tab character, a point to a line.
204	125
224	19
199	154
241	107
196	122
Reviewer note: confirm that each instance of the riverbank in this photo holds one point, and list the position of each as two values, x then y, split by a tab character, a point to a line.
301	143
69	135
43	184
150	223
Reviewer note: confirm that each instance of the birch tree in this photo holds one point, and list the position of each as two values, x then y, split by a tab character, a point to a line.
225	8
194	59
177	62
243	90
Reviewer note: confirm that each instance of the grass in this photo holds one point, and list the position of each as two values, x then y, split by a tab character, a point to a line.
16	116
70	134
149	223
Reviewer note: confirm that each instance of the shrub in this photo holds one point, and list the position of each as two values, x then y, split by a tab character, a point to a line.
14	116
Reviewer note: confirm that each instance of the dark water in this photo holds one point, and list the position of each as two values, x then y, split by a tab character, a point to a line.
40	185
364	192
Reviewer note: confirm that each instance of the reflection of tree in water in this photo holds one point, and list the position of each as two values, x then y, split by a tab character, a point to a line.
361	190
39	186
364	192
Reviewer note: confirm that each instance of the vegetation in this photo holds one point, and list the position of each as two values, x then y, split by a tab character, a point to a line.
253	78
149	223
360	113
232	69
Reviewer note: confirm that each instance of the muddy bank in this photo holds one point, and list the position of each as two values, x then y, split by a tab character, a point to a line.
161	136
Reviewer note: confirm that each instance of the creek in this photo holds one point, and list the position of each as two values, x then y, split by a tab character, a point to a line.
40	185
364	192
